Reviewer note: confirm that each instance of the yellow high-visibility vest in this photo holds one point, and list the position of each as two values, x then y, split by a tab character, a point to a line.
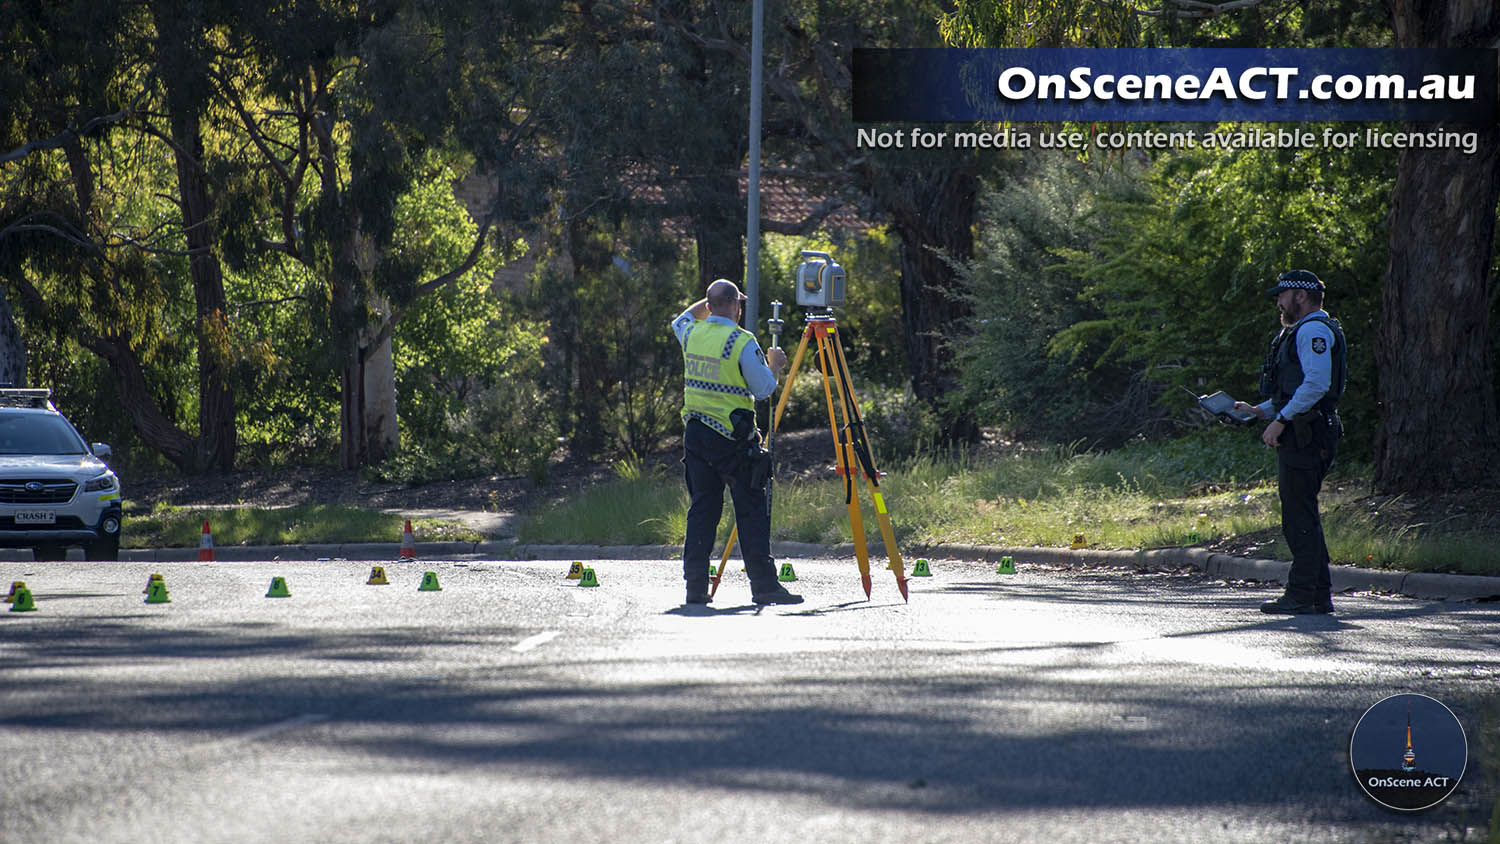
713	386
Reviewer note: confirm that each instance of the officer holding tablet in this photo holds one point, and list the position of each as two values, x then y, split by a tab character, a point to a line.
1304	375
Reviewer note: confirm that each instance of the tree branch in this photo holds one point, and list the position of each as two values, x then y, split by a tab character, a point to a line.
69	133
240	306
153	250
72	237
290	184
1199	9
429	286
467	264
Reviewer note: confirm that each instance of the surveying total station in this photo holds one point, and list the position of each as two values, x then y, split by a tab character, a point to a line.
820	283
820	288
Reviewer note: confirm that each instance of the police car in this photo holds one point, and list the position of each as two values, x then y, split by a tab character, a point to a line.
55	491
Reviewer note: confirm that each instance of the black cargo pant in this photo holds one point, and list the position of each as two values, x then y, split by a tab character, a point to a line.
1302	461
711	461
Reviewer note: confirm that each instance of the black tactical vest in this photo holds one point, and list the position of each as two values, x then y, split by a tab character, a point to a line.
1281	374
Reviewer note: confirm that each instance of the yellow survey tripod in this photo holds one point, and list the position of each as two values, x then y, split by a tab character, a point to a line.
851	445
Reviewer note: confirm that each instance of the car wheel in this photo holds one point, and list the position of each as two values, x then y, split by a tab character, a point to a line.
50	553
103	549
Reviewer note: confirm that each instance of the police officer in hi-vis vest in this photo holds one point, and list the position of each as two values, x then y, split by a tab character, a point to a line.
1304	376
724	374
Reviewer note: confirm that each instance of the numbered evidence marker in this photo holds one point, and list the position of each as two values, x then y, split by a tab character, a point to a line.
1408	752
377	577
278	588
575	571
1007	566
23	602
156	593
588	578
429	583
788	574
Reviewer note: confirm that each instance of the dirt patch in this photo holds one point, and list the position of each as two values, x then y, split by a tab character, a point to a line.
1473	511
325	485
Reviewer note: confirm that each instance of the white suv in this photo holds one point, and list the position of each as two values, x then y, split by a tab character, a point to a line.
54	489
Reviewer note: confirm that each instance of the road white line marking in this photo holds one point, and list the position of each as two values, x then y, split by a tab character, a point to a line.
536	641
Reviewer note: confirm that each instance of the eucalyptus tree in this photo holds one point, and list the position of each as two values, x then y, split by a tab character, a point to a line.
93	228
1436	350
342	110
284	139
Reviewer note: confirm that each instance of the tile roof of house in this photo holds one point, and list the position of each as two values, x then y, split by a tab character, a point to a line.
783	199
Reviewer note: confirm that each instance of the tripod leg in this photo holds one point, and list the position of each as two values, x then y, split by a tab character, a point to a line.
828	363
713	586
860	444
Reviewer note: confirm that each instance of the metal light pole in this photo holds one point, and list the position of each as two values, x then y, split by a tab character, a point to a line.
752	189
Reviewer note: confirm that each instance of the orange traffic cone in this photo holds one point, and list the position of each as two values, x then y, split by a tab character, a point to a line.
206	544
408	543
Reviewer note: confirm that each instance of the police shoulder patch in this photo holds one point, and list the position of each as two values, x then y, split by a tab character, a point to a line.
1319	345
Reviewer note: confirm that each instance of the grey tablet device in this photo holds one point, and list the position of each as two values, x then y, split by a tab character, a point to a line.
1222	404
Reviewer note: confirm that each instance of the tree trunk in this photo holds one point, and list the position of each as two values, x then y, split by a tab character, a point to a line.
351	415
1438	424
719	228
12	349
217	438
382	436
348	318
154	428
934	217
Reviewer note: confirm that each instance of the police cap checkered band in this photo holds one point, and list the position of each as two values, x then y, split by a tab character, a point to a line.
1297	280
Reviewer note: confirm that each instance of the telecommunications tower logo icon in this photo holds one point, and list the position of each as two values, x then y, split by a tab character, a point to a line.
1391	771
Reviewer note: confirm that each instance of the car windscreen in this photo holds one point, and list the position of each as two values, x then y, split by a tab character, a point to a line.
38	434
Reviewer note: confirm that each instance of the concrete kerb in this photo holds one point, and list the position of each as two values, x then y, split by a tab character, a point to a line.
1430	586
1453	587
348	551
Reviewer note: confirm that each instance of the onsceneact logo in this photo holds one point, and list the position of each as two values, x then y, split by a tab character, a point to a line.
1252	83
1087	85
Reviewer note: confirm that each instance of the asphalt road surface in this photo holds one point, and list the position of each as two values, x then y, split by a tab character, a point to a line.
513	705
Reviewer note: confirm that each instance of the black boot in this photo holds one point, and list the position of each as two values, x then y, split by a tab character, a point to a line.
779	595
1286	605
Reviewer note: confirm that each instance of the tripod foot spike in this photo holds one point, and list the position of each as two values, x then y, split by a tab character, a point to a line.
901	584
864	580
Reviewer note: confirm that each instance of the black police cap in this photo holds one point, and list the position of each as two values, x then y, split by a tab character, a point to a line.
1297	280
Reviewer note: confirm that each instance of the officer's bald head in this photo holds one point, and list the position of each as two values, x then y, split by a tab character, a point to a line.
723	298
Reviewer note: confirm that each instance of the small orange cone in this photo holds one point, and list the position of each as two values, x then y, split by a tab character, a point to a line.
408	543
206	544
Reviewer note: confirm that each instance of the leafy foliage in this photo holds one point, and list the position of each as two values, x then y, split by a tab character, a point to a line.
1180	279
1105	293
1023	296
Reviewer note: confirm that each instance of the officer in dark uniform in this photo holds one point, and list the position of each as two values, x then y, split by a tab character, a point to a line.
725	372
1304	376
